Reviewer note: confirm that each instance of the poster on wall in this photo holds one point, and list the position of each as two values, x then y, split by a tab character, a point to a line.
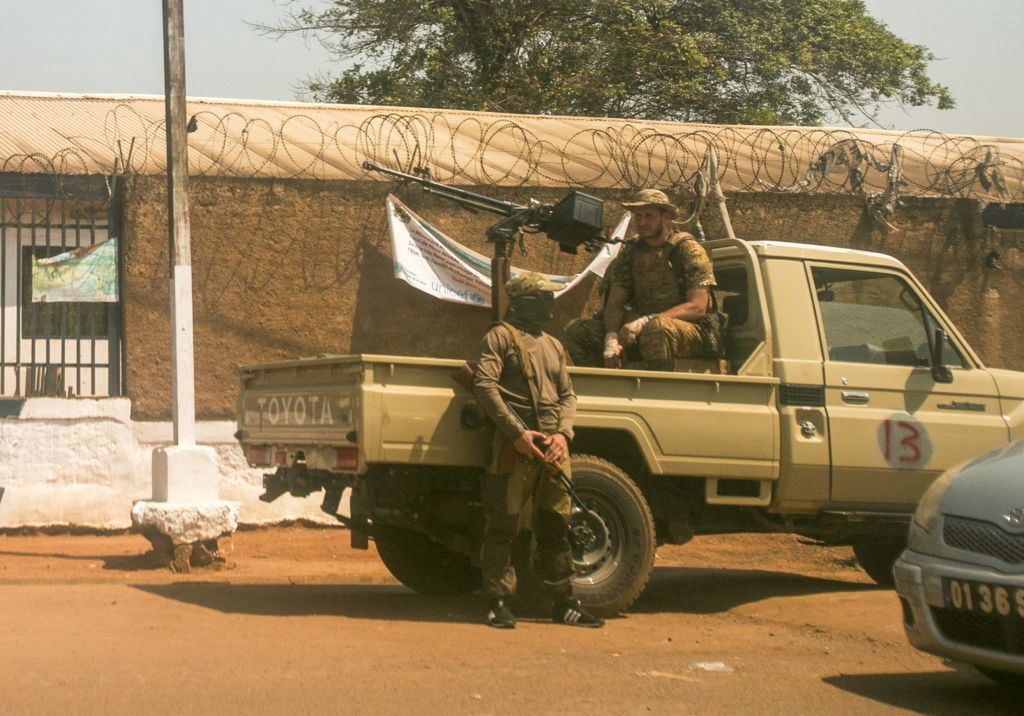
85	275
442	267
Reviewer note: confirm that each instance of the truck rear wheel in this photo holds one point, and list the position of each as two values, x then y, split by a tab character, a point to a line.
877	559
422	564
613	569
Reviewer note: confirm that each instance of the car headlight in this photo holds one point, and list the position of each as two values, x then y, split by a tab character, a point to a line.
927	512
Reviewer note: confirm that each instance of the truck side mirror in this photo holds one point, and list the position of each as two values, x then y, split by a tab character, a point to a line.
940	373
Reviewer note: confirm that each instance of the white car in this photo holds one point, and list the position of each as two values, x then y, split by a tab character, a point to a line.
961	579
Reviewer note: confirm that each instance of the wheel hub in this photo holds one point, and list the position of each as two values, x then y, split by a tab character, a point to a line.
589	538
582	538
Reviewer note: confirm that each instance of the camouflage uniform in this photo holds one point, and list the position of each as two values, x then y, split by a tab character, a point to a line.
656	279
512	481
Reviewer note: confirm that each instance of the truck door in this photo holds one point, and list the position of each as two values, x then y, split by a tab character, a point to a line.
893	428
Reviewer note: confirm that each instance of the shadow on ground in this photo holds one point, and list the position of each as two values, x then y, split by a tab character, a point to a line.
119	563
938	693
360	601
672	590
692	590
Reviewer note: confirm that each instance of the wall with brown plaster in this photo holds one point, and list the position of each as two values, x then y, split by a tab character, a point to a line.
289	268
975	273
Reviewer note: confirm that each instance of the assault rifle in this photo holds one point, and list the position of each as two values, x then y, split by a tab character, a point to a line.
573	222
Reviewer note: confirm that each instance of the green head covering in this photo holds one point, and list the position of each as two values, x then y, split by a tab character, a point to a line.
527	283
531	301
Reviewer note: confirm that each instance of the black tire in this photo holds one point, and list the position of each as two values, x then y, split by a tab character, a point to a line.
877	559
423	565
614	572
1008	679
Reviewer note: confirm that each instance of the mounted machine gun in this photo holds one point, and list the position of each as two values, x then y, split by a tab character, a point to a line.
574	221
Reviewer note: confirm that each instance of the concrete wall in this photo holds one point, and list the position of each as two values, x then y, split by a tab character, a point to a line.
293	268
84	462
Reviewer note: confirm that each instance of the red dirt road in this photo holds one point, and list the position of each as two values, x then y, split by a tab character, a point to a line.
302	623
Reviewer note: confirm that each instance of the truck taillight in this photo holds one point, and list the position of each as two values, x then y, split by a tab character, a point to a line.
258	455
346	458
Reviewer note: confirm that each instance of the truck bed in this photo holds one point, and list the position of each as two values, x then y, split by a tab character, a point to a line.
407	410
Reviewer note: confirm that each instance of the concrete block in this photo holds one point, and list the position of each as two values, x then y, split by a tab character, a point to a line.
184	524
185	474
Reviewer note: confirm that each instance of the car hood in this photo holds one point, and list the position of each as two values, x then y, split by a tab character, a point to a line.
989	488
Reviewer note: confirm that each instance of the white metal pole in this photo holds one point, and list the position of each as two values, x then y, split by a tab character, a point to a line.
716	191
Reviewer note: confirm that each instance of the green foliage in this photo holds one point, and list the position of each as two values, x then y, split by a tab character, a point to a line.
723	61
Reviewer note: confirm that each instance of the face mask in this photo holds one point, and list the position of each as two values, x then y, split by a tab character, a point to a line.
532	311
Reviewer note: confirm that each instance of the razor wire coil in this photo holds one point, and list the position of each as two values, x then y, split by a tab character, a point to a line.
503	150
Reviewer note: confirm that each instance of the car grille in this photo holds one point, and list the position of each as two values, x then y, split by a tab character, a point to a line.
983	538
986	632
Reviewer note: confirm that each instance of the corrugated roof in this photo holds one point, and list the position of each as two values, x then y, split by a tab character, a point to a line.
90	134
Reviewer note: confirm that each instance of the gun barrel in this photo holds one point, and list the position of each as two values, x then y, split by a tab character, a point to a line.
480	201
472	204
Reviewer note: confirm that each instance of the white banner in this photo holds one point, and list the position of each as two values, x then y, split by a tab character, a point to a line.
435	264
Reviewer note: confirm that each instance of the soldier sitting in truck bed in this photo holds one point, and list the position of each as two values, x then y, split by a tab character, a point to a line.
659	305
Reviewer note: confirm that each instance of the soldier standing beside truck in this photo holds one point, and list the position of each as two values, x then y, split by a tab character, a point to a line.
659	305
522	382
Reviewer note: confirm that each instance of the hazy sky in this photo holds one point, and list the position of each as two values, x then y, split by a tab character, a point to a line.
115	46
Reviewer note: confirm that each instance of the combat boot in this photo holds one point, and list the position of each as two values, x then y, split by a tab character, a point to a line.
500	616
571	612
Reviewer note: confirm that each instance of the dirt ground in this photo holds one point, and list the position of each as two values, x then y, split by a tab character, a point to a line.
738	624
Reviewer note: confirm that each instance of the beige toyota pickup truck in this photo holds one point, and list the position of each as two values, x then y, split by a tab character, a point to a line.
846	392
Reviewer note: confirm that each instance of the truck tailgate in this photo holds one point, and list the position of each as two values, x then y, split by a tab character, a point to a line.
301	403
396	410
413	413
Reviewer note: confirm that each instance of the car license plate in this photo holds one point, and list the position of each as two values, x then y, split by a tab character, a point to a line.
984	598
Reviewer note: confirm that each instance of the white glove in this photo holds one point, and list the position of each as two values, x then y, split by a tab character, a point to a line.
633	328
611	344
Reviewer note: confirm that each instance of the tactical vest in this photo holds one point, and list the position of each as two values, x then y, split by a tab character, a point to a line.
658	278
659	283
